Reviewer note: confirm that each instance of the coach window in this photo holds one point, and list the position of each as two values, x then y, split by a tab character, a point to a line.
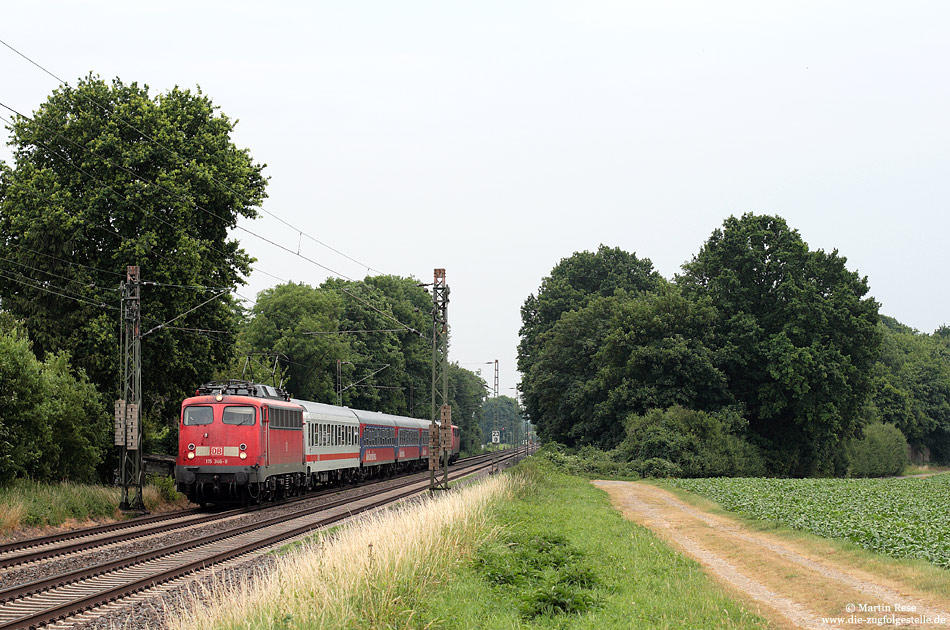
198	415
241	416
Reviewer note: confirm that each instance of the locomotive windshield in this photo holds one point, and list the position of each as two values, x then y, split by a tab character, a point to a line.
198	415
242	416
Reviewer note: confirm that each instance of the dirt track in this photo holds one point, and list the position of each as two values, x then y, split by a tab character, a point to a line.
792	586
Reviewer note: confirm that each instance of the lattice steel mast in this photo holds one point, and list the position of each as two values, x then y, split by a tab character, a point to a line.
440	426
128	434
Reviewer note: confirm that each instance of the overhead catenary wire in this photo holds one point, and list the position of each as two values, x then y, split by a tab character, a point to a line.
353	332
182	160
90	285
386	315
180	315
59	293
62	260
147	182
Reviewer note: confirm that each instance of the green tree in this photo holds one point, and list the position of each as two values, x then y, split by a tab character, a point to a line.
912	385
880	452
282	321
505	415
562	388
657	355
466	396
88	194
54	425
572	284
400	358
797	338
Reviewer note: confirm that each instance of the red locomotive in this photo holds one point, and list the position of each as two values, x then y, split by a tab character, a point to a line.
241	441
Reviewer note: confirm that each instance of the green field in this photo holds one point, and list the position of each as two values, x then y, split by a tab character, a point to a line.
904	518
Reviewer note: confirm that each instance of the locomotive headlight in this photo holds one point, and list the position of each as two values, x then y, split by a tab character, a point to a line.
191	455
218	397
191	447
243	455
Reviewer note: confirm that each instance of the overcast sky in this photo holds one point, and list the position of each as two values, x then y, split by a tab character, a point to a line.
495	138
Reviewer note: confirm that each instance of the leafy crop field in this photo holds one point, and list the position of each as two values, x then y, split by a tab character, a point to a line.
908	518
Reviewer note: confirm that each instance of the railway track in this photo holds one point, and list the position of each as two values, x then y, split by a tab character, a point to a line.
47	600
79	540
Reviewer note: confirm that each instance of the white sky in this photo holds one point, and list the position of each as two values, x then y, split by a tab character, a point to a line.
495	138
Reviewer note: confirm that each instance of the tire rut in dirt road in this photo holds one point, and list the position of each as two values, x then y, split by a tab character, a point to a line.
792	586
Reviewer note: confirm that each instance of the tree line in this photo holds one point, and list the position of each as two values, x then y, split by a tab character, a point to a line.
763	356
106	175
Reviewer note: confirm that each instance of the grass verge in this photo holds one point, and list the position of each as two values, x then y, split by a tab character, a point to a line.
563	557
925	469
532	548
30	504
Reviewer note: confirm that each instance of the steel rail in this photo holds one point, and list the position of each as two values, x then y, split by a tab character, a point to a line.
50	615
13	559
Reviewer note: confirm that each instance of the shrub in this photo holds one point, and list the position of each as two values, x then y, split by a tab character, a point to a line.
166	488
659	468
700	444
551	575
586	462
880	453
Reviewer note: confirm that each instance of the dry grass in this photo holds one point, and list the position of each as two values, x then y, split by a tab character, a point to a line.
369	574
36	507
11	515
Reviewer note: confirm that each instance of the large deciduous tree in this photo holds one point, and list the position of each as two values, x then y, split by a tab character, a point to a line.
287	320
623	355
106	176
572	284
797	338
390	364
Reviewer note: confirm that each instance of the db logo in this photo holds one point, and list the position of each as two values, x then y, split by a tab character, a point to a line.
217	450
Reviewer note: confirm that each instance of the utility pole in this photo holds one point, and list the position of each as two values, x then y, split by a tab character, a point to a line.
128	432
440	425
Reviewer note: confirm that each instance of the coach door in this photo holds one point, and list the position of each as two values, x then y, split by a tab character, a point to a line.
266	435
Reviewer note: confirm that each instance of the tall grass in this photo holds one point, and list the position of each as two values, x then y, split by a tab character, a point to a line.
371	574
26	503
